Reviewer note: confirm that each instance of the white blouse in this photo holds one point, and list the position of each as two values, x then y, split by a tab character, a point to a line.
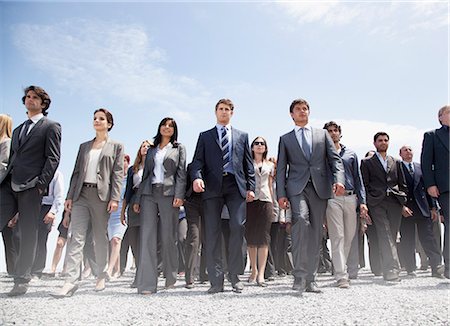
91	172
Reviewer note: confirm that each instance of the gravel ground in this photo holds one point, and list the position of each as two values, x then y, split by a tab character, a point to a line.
369	301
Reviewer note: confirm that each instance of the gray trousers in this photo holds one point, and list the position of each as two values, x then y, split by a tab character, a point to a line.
308	214
154	207
341	223
88	209
386	217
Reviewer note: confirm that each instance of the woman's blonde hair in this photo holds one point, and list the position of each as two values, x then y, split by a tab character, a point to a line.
5	126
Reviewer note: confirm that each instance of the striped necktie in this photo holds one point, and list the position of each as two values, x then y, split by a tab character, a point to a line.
410	168
225	148
305	145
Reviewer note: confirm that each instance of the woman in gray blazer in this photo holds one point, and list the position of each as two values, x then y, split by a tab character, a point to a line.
5	149
94	193
159	197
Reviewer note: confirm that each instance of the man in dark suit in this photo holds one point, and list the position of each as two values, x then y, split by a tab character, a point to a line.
435	169
416	213
222	169
306	156
386	194
35	155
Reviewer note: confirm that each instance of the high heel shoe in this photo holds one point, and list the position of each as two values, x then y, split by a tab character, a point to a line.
66	291
100	286
262	284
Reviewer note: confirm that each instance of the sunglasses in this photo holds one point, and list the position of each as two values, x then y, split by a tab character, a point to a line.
259	143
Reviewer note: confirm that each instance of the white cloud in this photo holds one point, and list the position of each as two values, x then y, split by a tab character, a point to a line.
108	59
384	18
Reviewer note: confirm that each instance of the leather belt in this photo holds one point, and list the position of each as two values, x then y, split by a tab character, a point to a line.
349	192
90	185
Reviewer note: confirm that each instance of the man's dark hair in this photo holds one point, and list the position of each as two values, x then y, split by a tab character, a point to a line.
378	134
332	124
298	101
41	93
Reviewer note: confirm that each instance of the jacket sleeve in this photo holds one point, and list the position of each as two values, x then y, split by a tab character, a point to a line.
116	180
52	154
180	174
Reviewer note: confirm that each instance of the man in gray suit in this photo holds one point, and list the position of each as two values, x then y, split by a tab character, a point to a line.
435	169
35	154
309	170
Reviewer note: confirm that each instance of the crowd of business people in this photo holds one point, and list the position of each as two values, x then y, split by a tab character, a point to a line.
315	182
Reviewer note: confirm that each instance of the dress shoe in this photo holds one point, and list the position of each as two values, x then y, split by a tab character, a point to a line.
146	292
215	289
270	278
100	286
189	285
282	274
299	285
18	289
133	285
48	275
236	283
170	285
343	283
412	274
67	290
312	287
438	271
391	276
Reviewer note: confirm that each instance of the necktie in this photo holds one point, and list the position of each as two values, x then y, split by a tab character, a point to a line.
24	130
225	148
410	168
305	145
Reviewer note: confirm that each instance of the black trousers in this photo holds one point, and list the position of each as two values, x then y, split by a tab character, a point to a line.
41	249
28	204
194	239
374	250
236	252
407	245
444	202
10	250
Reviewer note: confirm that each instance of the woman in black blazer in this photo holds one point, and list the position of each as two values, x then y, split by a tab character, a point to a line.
159	197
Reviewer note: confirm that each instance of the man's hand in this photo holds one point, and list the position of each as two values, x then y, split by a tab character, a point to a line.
112	206
68	205
177	202
283	202
338	189
12	222
137	208
49	218
433	191
250	196
66	219
198	185
407	212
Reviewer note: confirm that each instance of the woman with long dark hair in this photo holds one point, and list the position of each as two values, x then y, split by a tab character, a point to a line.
159	197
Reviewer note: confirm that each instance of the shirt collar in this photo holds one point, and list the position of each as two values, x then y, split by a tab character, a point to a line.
307	126
219	127
37	117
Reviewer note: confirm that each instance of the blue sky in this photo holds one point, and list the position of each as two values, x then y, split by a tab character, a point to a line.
370	66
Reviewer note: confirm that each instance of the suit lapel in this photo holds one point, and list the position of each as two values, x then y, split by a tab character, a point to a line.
32	131
390	163
442	135
417	174
104	148
377	162
293	139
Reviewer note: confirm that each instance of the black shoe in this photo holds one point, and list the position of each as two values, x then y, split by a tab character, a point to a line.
18	289
215	289
299	285
353	276
312	287
270	278
282	274
438	271
189	285
236	283
391	276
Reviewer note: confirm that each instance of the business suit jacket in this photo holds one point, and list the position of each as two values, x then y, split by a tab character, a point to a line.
207	163
377	180
294	170
435	159
418	194
109	171
5	149
34	162
174	172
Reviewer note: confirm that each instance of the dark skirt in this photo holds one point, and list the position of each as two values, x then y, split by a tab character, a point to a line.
259	221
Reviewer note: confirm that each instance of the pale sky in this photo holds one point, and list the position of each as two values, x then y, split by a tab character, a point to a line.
370	66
